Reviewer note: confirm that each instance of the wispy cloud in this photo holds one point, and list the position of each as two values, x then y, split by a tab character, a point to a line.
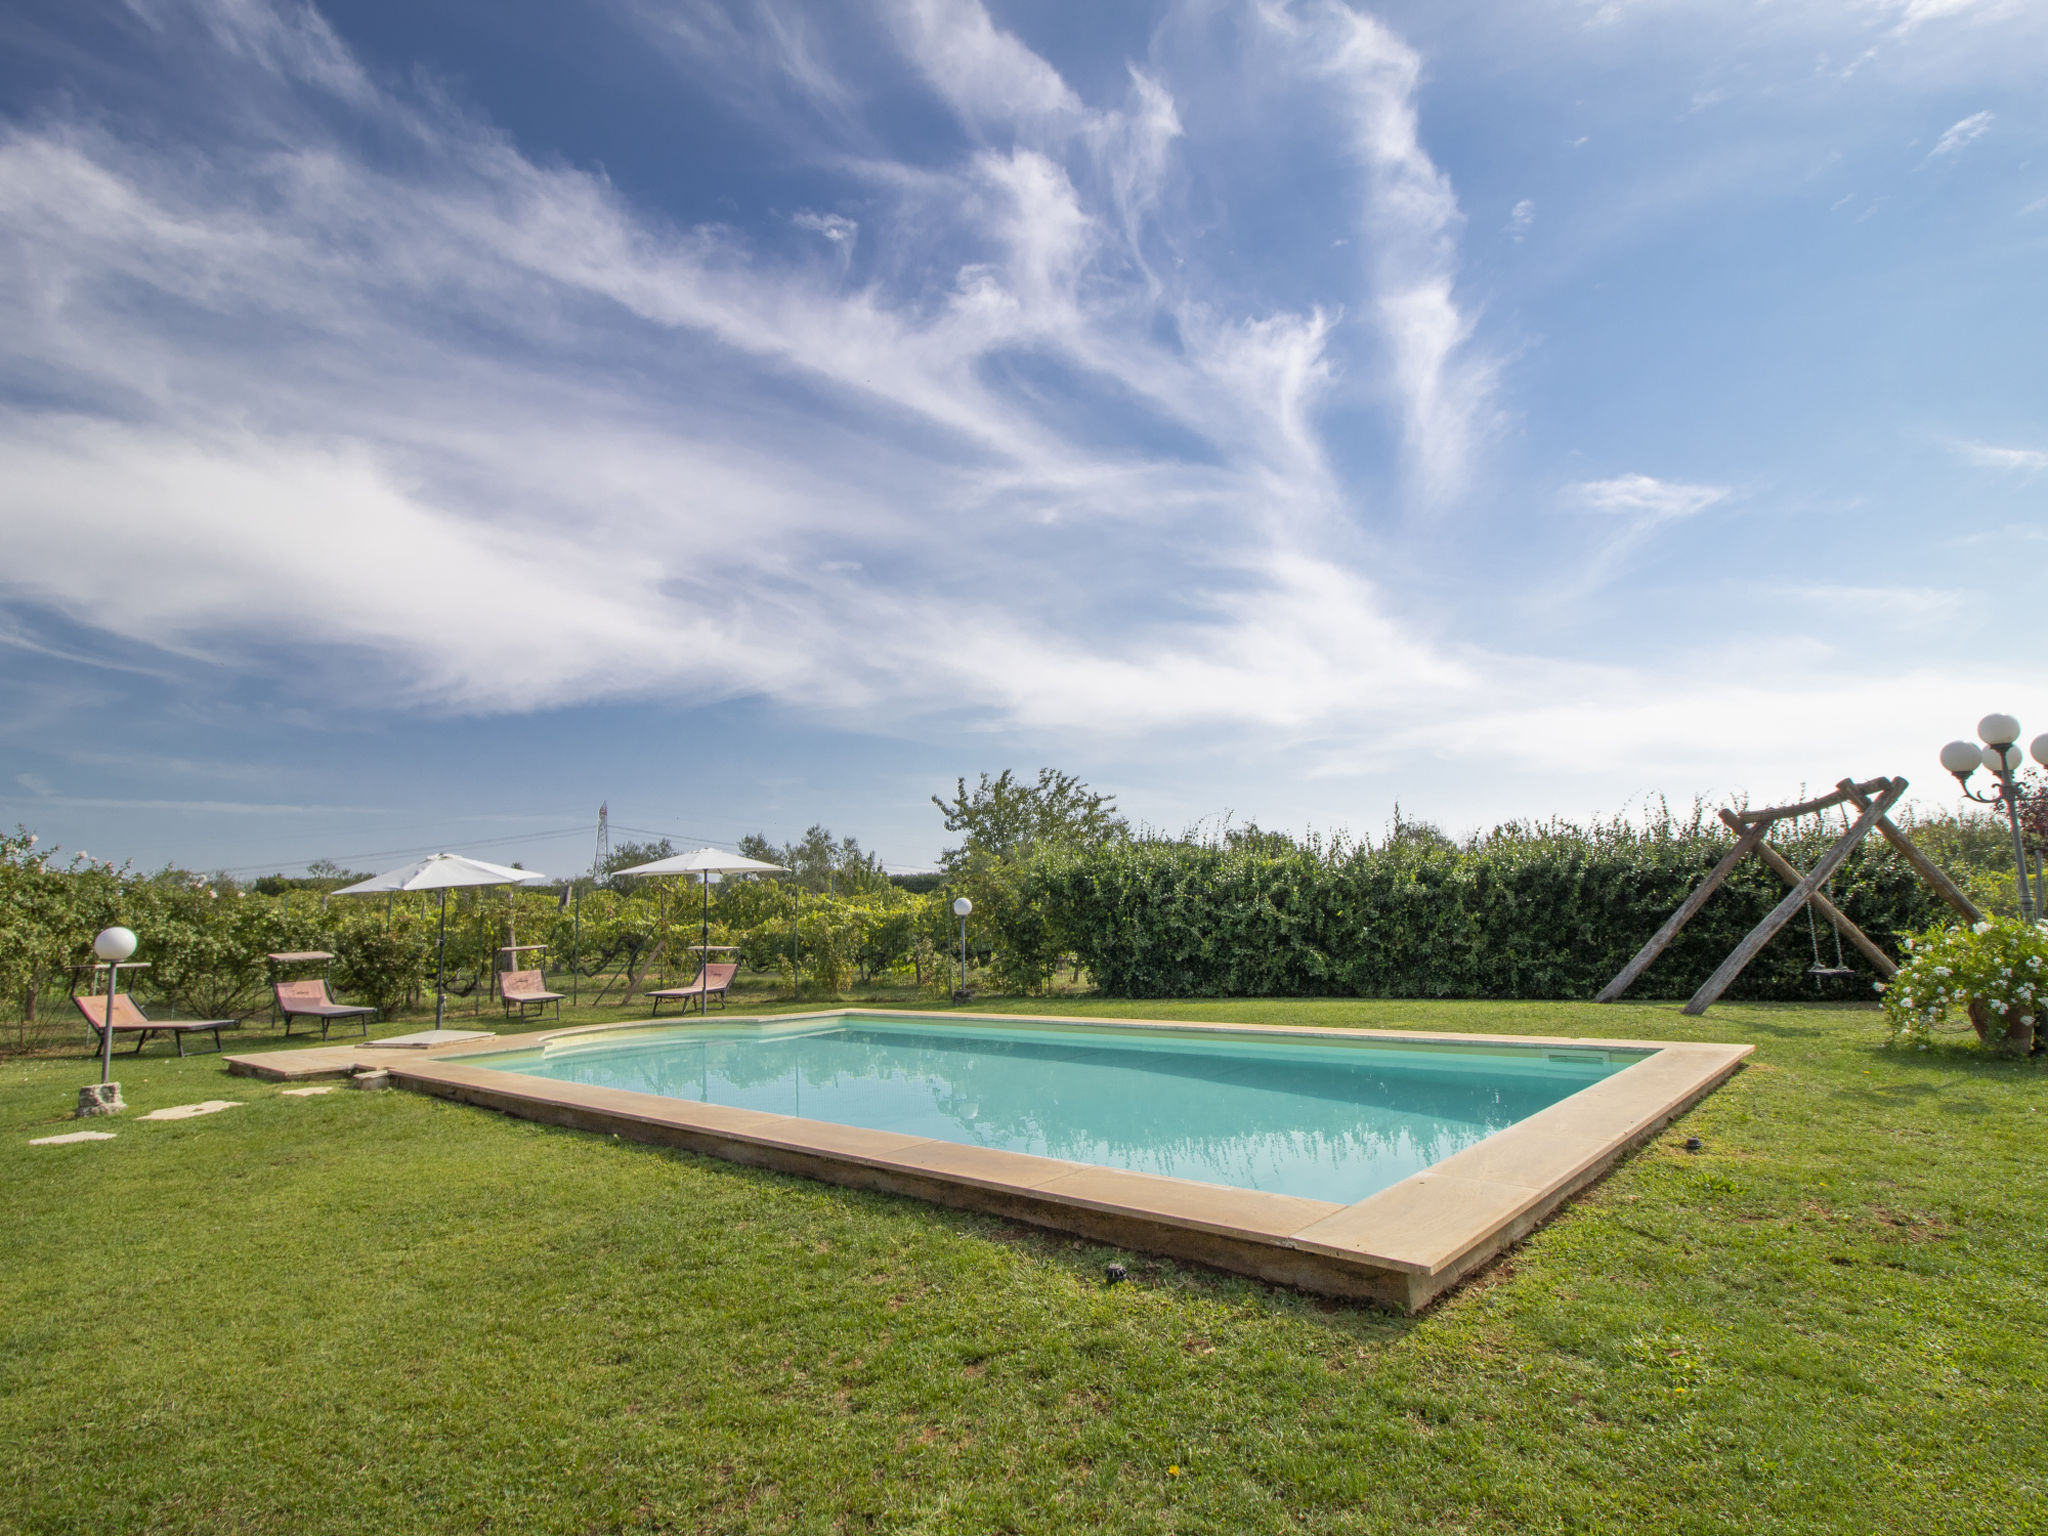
1912	607
1411	223
990	79
1959	135
981	423
2029	461
1639	505
41	796
452	427
1645	497
1520	218
1914	14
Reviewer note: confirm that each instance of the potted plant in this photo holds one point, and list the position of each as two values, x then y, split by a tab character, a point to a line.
1995	974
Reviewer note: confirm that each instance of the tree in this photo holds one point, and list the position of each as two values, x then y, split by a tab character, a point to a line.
323	875
628	855
1005	818
817	863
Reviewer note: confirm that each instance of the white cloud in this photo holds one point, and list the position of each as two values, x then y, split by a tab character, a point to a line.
1893	607
1970	129
1411	223
1645	497
1914	14
451	428
1640	505
1520	218
2029	461
990	78
463	430
837	228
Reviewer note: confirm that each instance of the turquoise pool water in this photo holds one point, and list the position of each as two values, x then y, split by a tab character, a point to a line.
1293	1116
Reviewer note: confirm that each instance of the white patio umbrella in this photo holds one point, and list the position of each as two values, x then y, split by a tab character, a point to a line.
705	862
442	872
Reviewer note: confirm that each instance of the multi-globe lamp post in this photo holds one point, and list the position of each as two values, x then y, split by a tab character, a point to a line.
961	907
2001	754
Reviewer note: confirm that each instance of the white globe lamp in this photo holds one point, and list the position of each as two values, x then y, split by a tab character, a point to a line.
1961	758
114	944
1998	730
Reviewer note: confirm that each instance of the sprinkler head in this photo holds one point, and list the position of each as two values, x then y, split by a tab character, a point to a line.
1115	1274
1694	1144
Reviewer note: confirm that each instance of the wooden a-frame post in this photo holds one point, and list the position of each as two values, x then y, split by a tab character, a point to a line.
1751	829
1787	872
1797	897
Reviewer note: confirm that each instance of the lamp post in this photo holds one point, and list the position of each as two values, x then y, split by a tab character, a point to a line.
112	945
961	907
2001	754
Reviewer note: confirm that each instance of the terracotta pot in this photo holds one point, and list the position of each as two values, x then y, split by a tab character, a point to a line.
2017	1039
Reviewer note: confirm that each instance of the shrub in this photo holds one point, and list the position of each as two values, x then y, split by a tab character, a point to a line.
205	951
384	961
1998	969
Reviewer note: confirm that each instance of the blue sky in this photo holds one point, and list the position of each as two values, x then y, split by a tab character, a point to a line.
423	422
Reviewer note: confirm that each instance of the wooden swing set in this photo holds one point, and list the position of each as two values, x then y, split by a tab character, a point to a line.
1752	830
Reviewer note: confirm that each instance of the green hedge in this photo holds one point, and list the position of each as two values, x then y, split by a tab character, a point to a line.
1522	913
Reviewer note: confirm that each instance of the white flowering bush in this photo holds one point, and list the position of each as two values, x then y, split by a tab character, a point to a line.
2001	965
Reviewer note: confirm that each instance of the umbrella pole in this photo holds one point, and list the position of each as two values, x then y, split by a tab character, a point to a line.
704	950
441	964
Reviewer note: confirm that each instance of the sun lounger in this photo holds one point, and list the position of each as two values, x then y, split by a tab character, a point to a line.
311	1000
129	1019
710	982
529	989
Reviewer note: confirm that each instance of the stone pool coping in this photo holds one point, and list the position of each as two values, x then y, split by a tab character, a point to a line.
1401	1247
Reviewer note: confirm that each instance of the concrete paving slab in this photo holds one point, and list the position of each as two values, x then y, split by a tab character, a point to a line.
306	1093
69	1137
284	1066
427	1039
192	1111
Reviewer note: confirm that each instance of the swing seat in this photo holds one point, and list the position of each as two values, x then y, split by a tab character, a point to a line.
1830	972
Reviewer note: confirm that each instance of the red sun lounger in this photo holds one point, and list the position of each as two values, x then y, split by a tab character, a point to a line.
129	1019
311	1000
529	989
709	983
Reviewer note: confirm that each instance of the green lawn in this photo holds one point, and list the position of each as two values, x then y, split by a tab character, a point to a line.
382	1312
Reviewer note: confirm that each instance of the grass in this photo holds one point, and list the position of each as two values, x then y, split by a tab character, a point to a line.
383	1312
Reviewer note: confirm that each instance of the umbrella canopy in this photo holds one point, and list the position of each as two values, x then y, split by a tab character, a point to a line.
704	863
440	872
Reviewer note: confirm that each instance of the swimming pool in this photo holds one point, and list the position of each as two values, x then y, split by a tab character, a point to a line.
1368	1163
1323	1120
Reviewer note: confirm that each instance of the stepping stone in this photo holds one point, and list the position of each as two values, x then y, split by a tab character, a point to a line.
306	1093
66	1139
187	1111
426	1039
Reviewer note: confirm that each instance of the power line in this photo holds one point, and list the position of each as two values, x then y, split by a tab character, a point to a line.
389	853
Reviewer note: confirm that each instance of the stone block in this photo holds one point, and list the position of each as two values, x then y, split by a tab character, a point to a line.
99	1099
